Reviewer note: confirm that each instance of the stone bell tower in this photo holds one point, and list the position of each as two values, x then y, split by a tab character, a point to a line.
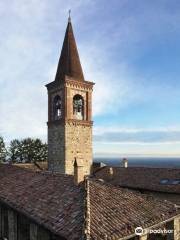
69	112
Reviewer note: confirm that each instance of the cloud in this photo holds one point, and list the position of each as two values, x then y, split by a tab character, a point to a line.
28	61
31	38
109	142
111	90
137	136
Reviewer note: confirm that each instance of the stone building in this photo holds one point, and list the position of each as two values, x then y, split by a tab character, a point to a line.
67	202
69	112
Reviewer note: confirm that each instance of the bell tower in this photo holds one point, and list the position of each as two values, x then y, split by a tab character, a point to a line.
69	112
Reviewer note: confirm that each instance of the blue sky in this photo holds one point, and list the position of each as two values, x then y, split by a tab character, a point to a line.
130	49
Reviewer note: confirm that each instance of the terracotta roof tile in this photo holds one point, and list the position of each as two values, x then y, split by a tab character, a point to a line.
97	209
115	212
51	200
141	178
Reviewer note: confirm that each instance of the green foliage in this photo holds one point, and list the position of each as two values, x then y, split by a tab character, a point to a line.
3	151
15	151
27	150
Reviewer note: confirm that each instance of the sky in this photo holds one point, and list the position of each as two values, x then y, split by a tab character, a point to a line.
130	49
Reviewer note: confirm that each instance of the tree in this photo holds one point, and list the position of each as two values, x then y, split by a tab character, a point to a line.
15	151
40	151
3	151
27	150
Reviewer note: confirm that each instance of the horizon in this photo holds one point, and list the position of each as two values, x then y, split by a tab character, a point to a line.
130	50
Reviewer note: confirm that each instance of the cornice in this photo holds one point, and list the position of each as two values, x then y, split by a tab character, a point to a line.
79	122
75	122
70	82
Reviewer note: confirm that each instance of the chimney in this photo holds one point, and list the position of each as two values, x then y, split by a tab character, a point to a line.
78	171
110	173
125	162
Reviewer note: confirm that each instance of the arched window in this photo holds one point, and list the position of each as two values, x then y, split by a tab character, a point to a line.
57	107
78	107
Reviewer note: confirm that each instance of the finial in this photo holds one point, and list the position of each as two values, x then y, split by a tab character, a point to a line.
69	18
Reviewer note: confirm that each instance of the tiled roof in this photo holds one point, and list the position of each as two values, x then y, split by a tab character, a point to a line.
115	212
51	200
142	178
96	209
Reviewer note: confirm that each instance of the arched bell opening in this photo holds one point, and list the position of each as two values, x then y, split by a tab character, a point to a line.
78	107
57	108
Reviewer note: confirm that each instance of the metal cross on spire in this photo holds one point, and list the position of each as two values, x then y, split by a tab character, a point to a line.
69	18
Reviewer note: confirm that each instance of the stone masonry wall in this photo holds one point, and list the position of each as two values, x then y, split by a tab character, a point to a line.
56	148
79	146
70	138
67	143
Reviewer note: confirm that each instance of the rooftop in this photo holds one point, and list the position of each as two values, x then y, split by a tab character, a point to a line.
94	208
154	179
115	212
51	200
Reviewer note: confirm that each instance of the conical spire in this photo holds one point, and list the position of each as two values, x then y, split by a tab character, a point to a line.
69	62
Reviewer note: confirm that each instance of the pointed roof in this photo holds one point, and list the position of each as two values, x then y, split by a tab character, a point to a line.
69	62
